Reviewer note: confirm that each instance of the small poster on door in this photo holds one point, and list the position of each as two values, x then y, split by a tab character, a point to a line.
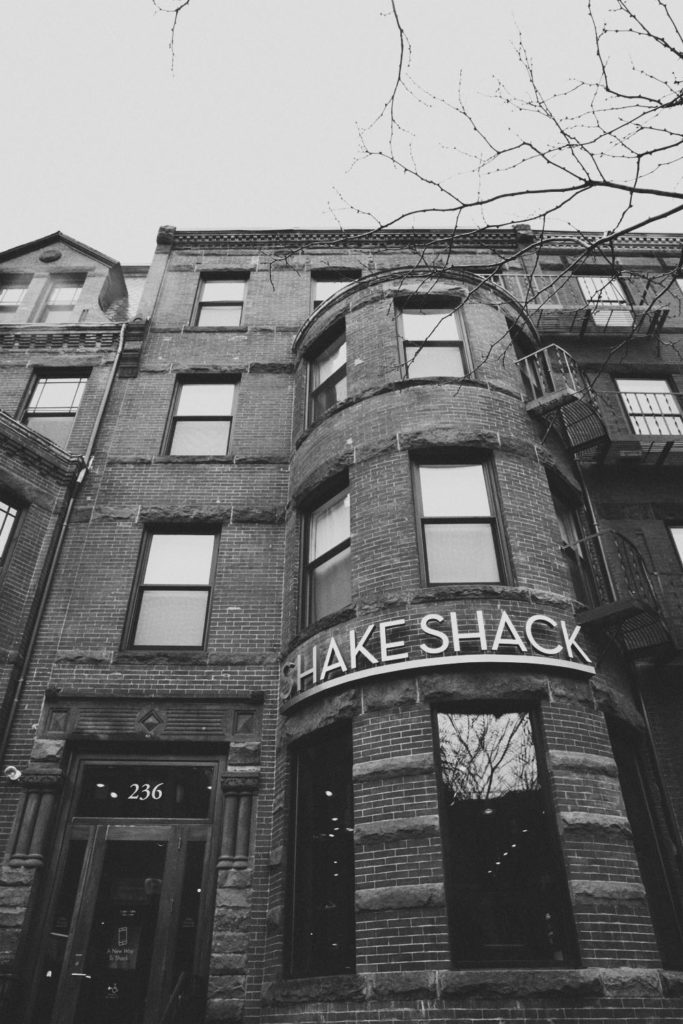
122	952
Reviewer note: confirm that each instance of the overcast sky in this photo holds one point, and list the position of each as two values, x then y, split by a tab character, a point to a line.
256	126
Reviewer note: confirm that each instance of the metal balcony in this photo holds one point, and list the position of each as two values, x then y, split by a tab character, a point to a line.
611	578
558	392
608	319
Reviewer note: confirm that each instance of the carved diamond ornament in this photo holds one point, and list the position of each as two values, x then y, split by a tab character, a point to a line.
151	720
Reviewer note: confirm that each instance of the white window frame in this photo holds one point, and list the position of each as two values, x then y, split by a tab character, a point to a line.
652	407
607	300
62	304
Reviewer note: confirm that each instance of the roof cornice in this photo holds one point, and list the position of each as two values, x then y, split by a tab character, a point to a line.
442	239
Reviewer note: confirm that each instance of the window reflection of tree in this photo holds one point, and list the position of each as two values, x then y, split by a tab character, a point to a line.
485	756
504	879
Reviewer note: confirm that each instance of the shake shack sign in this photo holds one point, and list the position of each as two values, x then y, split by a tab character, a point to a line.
404	645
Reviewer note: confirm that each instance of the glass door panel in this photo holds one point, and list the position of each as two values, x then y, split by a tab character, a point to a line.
59	929
125	927
117	967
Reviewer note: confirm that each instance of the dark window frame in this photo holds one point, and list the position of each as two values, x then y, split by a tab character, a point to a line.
305	954
140	587
534	290
431	305
50	373
333	339
174	418
573	526
9	511
454	459
344	277
553	837
679	552
331	494
200	303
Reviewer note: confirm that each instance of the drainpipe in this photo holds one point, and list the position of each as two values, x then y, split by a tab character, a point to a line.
53	558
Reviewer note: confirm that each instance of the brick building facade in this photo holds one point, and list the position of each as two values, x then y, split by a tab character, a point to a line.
341	579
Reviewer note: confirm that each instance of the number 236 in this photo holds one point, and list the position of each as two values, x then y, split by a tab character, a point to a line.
145	791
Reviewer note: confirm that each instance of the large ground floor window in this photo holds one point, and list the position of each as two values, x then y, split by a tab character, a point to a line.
507	895
322	923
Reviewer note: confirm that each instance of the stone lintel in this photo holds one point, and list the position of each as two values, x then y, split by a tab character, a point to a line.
397	897
594	822
395	829
577	761
587	890
394	767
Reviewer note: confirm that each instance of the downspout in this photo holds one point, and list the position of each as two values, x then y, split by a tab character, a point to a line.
53	558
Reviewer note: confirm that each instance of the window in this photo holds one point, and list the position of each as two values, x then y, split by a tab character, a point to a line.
433	342
12	291
506	892
533	291
53	405
202	418
328	563
677	538
8	520
607	300
574	548
322	888
457	525
327	375
325	287
172	601
61	300
651	406
220	302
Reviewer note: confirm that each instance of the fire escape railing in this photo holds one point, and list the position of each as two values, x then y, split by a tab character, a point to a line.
558	392
611	578
601	318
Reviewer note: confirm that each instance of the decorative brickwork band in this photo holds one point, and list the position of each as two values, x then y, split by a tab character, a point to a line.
238	791
34	817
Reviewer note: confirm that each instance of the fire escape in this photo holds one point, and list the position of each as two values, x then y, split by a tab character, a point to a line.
609	574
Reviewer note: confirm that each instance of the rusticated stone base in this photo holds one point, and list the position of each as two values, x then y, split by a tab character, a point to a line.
618	995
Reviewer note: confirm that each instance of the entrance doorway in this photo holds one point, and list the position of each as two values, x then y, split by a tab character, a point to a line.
128	924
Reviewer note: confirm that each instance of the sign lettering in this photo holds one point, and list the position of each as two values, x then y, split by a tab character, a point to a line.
398	645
